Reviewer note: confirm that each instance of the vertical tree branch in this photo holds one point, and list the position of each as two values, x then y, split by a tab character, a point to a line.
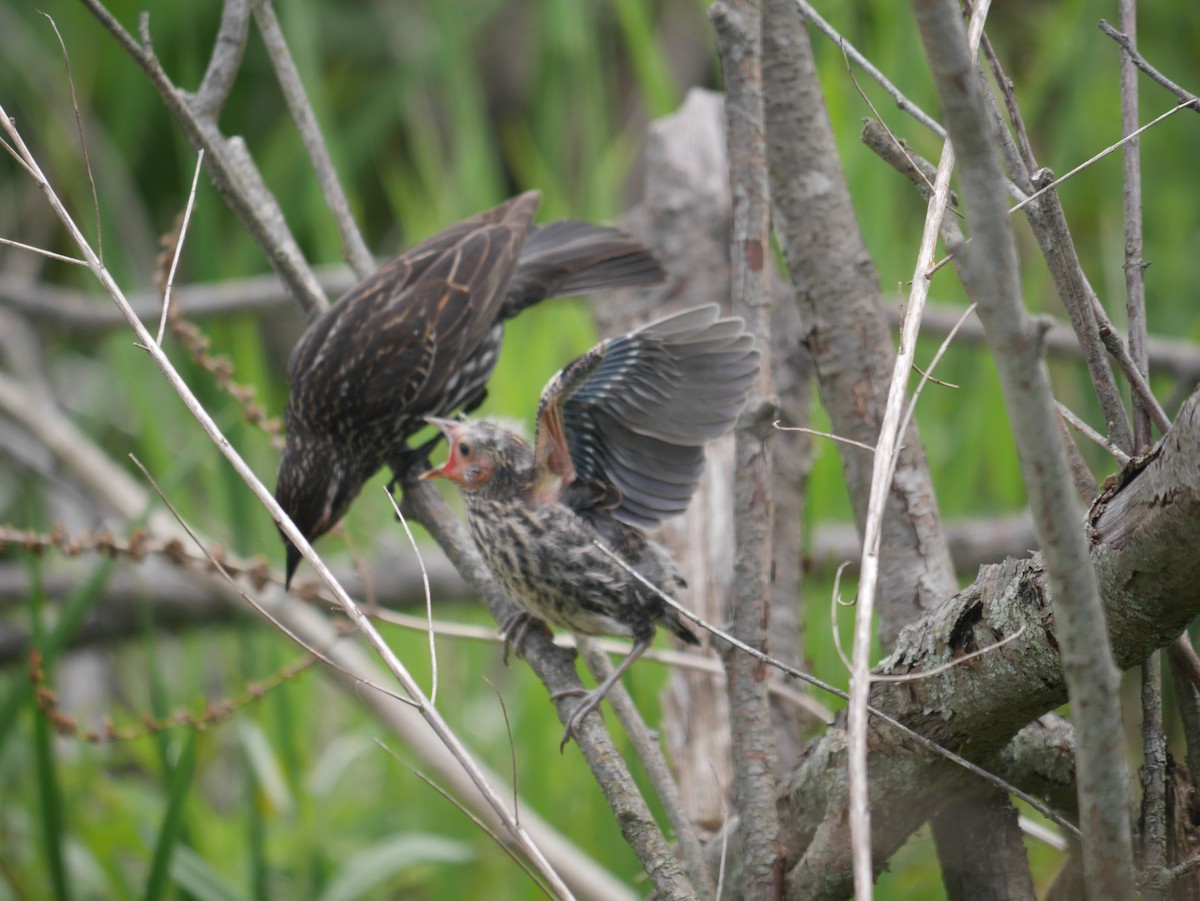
354	249
1185	673
1135	267
1154	745
976	856
991	267
1076	294
738	28
1154	779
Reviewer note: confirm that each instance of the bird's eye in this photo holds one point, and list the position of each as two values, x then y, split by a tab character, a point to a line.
464	449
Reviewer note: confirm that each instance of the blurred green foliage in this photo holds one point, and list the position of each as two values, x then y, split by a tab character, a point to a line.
433	111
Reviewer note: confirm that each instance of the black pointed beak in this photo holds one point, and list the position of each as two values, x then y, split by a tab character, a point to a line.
293	561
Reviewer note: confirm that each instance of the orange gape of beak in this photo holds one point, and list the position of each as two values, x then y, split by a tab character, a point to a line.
451	468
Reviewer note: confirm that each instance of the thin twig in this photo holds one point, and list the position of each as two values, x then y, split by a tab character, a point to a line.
49	254
676	659
1087	431
187	215
849	49
831	437
835	601
1174	357
927	376
950	664
470	816
925	178
1099	156
1138	60
1034	829
512	748
8	148
433	659
87	162
228	577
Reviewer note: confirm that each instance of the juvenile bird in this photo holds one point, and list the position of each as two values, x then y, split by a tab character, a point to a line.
420	338
619	448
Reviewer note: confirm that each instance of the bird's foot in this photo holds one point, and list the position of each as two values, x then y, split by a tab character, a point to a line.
515	630
591	700
410	462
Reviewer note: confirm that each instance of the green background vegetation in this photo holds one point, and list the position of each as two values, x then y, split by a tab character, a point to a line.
432	111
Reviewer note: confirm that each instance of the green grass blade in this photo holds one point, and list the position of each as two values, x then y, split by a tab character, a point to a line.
172	823
50	797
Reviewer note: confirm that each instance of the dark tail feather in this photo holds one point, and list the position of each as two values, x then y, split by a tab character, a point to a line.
673	621
565	258
293	561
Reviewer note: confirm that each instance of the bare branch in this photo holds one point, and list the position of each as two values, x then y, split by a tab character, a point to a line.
1185	97
902	101
1091	434
647	748
48	254
738	27
353	247
1174	357
886	459
187	215
433	660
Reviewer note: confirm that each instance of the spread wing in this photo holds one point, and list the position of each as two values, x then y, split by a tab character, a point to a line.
391	343
635	412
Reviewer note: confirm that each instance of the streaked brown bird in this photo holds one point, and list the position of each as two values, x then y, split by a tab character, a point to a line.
620	447
420	338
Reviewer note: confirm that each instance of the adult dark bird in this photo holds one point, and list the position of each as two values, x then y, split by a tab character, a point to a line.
420	338
619	448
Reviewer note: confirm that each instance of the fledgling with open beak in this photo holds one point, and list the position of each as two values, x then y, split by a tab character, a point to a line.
620	447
